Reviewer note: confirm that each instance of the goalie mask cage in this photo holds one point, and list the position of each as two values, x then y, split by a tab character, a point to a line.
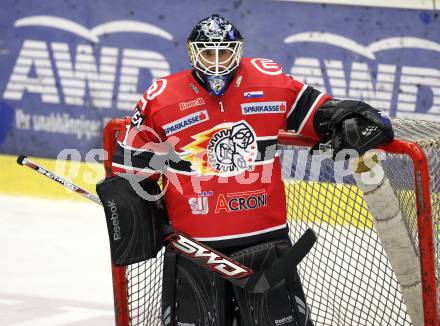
347	276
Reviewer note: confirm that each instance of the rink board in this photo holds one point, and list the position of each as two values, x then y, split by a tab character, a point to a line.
325	202
19	180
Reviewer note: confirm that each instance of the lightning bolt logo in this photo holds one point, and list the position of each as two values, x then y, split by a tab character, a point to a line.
196	153
226	149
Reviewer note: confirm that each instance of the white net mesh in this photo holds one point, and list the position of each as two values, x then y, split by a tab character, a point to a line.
347	277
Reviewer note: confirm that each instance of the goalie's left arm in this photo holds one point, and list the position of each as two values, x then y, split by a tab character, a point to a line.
349	124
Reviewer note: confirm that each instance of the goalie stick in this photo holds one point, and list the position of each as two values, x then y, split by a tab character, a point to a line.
206	257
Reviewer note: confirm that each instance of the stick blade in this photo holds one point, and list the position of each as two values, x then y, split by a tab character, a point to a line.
261	281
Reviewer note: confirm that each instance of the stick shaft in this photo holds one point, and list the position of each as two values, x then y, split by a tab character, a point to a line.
197	252
204	256
23	160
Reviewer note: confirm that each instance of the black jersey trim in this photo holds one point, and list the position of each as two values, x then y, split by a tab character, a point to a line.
139	159
143	159
302	108
234	243
266	149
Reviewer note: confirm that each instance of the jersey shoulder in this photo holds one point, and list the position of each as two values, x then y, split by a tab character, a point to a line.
168	90
264	72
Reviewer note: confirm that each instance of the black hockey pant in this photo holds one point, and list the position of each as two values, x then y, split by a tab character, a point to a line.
192	296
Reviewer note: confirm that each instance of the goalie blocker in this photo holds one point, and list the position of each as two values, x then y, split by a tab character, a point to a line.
134	224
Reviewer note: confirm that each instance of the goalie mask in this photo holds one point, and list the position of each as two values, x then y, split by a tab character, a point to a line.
215	47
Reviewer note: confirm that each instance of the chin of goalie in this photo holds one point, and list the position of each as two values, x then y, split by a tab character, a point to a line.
351	125
134	214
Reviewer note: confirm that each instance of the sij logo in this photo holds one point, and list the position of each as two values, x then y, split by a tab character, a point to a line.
199	205
42	65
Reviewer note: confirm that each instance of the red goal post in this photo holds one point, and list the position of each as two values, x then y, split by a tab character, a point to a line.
348	277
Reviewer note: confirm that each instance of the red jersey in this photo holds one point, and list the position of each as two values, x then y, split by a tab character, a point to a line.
223	178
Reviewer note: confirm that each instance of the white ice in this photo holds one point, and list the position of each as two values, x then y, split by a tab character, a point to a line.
55	263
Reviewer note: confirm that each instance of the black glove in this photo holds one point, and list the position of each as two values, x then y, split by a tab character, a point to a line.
351	125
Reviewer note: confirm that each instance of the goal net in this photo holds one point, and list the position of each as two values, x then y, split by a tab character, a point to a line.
376	261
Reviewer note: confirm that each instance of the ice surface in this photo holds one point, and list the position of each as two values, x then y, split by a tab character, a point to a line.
55	263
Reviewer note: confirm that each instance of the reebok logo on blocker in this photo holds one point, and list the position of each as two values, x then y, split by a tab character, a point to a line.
115	220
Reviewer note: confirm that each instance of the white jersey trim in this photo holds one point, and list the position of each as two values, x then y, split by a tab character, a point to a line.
269	161
297	99
131	168
267	137
144	103
181	172
134	149
307	117
242	235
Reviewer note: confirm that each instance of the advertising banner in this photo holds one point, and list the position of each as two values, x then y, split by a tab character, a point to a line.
68	67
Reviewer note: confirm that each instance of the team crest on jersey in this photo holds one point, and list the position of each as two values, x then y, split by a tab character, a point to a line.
267	66
227	149
156	88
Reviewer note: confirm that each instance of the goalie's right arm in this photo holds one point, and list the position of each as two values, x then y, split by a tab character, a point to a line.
139	149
